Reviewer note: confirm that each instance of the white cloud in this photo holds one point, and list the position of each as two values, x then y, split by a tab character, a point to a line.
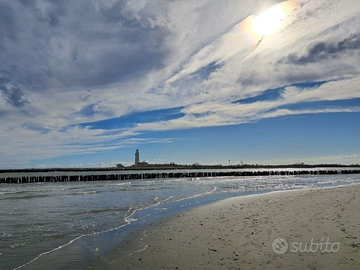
337	90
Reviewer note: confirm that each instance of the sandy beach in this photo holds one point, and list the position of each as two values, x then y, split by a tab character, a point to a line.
239	233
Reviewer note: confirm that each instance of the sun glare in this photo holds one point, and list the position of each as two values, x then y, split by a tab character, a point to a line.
267	23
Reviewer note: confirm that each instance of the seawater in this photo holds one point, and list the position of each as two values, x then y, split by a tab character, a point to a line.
43	218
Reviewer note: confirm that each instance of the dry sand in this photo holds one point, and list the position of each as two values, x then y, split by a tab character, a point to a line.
238	233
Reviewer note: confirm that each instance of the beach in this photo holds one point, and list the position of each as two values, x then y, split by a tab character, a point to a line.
127	224
239	233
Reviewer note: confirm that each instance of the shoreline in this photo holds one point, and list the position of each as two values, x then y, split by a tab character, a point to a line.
238	233
111	247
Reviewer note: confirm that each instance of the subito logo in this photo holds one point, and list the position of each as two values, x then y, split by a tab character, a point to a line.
280	246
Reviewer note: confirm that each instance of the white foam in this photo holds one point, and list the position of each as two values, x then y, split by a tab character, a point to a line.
197	195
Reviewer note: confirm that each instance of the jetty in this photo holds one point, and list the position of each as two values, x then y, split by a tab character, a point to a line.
136	175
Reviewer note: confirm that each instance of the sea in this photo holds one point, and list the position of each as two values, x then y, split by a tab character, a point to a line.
54	223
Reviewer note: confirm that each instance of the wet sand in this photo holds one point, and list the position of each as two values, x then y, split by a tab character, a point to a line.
238	233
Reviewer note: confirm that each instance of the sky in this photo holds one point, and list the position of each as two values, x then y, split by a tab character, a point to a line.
85	83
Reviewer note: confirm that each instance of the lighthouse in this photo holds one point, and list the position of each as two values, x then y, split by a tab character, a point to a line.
137	157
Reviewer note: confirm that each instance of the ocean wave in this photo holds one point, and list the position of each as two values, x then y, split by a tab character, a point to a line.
139	185
6	235
25	197
54	236
12	192
18	244
95	211
119	184
85	193
144	188
230	187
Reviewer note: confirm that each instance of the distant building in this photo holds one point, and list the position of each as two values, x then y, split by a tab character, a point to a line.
142	164
137	159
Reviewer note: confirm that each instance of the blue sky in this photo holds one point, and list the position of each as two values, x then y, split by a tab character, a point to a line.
85	83
318	138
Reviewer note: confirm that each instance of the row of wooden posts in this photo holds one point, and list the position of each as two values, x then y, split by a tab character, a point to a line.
163	175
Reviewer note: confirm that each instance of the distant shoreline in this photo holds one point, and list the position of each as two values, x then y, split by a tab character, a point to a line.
181	167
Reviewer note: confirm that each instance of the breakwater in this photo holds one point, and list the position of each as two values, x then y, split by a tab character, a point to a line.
23	179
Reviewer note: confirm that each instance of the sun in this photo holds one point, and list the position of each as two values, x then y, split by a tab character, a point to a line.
267	23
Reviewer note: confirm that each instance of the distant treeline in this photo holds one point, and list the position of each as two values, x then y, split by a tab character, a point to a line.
179	166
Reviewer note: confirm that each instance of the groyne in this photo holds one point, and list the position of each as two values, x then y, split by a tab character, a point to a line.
163	175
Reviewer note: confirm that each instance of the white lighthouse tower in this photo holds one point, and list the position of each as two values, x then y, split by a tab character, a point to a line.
137	157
